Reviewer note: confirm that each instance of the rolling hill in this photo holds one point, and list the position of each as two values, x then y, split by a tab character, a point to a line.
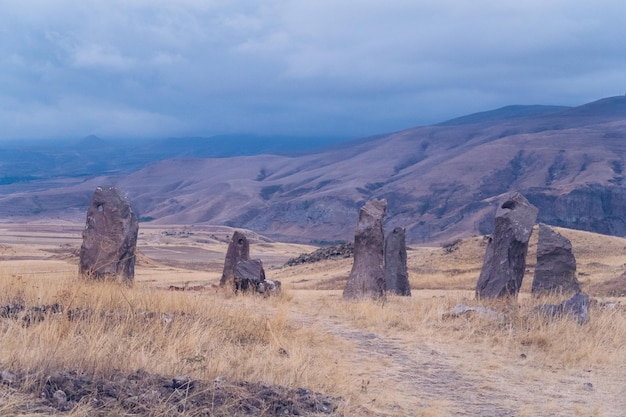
441	181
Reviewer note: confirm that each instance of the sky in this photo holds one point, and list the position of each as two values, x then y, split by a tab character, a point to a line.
343	68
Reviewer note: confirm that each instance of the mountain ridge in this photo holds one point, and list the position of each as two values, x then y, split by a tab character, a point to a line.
441	181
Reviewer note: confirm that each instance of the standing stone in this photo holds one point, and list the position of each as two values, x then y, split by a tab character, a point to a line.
367	278
396	273
556	265
110	237
505	258
249	273
238	250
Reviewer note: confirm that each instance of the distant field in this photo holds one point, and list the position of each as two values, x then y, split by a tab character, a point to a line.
396	357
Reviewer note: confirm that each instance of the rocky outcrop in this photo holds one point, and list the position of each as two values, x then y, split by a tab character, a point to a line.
555	271
396	273
110	237
341	251
505	258
238	250
595	208
367	278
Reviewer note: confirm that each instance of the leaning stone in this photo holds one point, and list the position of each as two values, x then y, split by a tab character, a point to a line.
367	278
396	272
249	274
505	258
110	237
238	250
555	271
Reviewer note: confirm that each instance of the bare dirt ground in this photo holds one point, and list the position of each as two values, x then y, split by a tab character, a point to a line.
398	371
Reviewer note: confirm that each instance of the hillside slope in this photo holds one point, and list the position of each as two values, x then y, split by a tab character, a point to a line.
441	181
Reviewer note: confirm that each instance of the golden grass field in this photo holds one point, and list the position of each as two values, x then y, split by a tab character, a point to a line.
399	356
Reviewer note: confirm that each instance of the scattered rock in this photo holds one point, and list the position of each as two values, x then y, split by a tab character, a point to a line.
462	310
142	393
367	278
396	273
268	287
576	307
7	377
110	237
555	271
505	258
238	250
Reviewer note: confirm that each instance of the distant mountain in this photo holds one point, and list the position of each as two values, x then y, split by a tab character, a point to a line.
441	181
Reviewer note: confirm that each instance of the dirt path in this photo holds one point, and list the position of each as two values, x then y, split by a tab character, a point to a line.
405	376
416	381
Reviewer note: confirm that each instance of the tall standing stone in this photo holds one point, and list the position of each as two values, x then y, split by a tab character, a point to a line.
396	273
110	237
556	265
238	250
505	258
367	278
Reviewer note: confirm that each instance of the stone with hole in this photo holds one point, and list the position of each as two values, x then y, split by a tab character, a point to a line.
238	250
505	258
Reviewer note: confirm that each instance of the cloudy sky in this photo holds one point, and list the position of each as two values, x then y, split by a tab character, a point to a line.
348	68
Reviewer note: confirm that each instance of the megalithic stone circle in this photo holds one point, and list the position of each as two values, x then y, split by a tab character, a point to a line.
110	237
396	272
367	278
555	271
238	250
505	258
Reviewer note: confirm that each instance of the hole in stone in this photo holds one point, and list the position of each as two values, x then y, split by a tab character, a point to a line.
240	241
100	207
509	204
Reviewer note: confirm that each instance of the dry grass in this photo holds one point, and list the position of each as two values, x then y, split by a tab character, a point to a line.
397	357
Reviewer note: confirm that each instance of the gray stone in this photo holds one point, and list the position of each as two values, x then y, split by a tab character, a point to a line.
396	273
7	377
248	274
462	309
110	237
268	287
505	258
238	250
576	307
367	278
555	271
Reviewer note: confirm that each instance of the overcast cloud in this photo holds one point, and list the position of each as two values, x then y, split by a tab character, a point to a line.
161	68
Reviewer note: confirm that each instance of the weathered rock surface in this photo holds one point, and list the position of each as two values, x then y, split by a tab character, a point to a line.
505	258
396	273
249	274
555	271
110	237
576	307
238	250
367	278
